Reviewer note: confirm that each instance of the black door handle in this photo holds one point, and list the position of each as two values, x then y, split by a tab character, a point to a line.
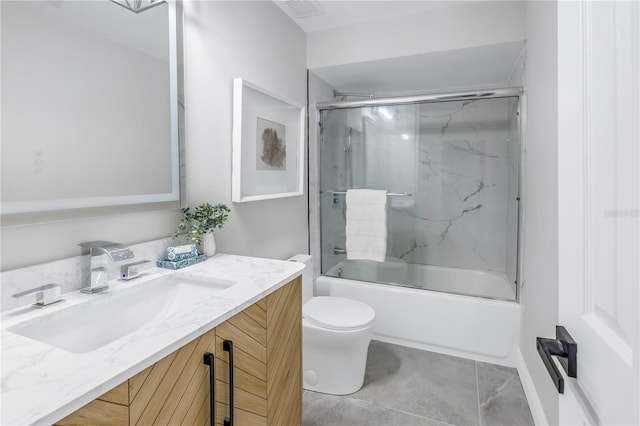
564	347
209	359
227	346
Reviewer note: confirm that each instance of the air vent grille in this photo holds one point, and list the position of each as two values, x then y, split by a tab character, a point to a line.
304	8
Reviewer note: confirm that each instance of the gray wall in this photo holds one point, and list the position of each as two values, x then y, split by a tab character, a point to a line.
539	296
79	149
223	40
258	42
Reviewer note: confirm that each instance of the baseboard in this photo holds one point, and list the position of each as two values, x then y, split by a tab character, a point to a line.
535	405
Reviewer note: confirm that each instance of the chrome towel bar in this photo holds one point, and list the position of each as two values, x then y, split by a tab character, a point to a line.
389	194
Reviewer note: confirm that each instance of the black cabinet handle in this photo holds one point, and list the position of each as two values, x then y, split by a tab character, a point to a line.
209	359
227	346
563	346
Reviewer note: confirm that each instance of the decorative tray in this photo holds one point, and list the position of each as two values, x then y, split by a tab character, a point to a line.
171	264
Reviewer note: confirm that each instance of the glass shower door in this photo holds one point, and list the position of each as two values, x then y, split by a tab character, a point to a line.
458	160
374	148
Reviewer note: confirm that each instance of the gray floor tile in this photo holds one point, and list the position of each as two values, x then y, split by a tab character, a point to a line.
405	386
502	399
331	410
427	384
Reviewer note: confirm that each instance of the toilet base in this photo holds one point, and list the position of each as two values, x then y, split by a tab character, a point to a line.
334	361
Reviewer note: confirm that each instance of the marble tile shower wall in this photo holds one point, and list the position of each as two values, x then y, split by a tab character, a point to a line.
333	175
319	91
461	211
459	159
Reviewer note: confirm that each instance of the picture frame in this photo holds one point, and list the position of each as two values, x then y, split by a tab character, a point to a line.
268	144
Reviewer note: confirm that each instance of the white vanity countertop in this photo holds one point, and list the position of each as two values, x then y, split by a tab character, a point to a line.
42	384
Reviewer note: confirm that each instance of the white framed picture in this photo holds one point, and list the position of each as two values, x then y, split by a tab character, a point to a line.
268	144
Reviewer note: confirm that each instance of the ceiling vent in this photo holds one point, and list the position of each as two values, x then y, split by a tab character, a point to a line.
304	8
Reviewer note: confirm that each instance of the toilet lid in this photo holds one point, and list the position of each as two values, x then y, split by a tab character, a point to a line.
338	313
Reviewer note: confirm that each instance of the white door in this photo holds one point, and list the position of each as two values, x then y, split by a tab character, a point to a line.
598	160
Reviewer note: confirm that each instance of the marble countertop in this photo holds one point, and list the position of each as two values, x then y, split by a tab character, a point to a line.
42	384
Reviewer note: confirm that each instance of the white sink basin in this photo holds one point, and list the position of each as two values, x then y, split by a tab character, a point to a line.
109	317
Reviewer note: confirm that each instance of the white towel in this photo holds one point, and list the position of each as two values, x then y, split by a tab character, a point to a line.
366	226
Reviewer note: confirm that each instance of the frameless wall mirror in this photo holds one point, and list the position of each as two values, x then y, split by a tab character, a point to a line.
90	108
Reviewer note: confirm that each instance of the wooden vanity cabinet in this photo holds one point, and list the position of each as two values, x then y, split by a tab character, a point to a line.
267	374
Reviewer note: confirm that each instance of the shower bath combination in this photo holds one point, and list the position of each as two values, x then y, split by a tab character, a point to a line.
451	165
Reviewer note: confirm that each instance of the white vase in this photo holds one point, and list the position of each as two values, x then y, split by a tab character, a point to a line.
208	244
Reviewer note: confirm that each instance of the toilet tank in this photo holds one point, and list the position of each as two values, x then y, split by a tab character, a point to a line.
307	275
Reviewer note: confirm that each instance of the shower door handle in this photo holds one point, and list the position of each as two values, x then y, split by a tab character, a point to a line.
563	346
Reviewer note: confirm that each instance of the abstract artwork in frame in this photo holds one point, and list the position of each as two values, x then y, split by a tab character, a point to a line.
271	145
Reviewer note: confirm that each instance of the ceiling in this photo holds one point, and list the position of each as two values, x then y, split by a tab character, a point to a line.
496	65
342	13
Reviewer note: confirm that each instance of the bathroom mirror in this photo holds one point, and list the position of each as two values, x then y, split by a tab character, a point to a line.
90	109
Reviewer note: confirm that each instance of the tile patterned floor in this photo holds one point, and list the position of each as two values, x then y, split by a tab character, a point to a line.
407	387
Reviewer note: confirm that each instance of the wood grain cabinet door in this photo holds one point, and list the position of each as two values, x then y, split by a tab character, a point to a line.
284	355
267	362
247	331
175	390
98	413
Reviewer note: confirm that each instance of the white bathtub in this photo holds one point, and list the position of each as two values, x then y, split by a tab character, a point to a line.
466	282
470	327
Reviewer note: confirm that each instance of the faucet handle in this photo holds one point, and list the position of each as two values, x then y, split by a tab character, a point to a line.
47	294
132	270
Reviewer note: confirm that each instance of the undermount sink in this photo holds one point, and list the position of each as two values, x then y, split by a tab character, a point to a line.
108	317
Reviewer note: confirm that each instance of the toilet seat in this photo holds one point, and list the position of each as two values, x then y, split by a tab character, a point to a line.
338	313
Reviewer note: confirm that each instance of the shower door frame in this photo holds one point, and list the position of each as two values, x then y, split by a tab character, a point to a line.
479	94
505	92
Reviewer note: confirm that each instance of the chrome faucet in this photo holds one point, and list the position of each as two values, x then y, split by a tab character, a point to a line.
95	273
47	294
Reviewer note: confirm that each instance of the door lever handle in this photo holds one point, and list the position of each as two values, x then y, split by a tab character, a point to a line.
564	347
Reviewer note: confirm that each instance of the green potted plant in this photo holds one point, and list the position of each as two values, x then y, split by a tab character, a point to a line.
197	226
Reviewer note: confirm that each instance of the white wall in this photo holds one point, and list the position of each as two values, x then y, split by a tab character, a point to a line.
457	27
254	40
539	296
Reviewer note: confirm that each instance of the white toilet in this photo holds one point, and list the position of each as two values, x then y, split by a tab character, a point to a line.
335	338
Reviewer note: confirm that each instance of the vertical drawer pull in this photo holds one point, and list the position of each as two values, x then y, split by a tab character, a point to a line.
209	359
227	346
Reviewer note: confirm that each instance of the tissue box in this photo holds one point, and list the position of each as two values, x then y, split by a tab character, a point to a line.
169	264
176	253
